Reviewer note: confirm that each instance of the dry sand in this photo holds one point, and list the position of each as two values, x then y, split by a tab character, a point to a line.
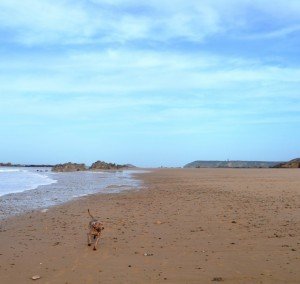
195	225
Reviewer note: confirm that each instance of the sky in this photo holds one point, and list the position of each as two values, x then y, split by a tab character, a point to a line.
151	83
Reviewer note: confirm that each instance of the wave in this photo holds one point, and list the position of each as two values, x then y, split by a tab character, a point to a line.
18	180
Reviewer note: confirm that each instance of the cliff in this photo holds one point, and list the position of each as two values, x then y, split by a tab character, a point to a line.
295	163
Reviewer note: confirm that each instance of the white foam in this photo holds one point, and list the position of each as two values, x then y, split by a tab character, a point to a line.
19	180
9	170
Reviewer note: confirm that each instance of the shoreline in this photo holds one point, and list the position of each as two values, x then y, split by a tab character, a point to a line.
66	187
35	178
194	225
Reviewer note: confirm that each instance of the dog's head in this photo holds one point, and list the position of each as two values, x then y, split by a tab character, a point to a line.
98	226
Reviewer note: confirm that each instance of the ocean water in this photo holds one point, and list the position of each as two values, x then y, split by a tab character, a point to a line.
13	180
27	189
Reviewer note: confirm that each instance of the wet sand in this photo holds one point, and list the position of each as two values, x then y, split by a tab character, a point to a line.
183	226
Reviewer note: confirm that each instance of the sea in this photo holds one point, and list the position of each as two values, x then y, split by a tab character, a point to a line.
27	189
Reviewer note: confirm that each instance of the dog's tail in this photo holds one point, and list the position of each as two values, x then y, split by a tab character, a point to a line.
90	214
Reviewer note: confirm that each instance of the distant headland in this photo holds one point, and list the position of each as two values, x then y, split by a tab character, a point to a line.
25	165
295	163
243	164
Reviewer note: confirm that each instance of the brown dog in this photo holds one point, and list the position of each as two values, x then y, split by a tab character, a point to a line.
95	229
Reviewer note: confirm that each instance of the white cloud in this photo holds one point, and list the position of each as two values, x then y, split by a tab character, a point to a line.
121	71
122	78
145	87
35	22
279	33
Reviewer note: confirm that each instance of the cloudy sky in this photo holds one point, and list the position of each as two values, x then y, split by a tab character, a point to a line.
149	82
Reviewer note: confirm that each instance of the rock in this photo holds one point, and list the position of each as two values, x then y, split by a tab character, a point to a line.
158	222
100	165
6	164
217	279
35	277
69	167
295	163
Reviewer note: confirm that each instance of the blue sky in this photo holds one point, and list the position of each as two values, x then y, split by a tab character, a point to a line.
149	82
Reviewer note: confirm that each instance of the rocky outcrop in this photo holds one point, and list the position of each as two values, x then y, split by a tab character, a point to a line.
295	163
6	165
100	165
69	167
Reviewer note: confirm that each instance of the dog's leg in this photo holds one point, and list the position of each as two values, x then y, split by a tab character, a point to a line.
89	239
96	242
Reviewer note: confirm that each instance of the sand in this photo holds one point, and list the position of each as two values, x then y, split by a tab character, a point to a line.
183	226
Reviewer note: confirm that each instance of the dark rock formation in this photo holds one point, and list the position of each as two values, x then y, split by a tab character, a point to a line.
100	165
6	165
69	167
295	163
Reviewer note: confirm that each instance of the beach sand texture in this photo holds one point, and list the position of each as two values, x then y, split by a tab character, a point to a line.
183	226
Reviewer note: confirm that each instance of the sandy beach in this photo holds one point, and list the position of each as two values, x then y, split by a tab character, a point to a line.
182	226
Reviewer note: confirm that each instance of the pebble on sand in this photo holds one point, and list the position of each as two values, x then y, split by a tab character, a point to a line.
217	279
35	277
